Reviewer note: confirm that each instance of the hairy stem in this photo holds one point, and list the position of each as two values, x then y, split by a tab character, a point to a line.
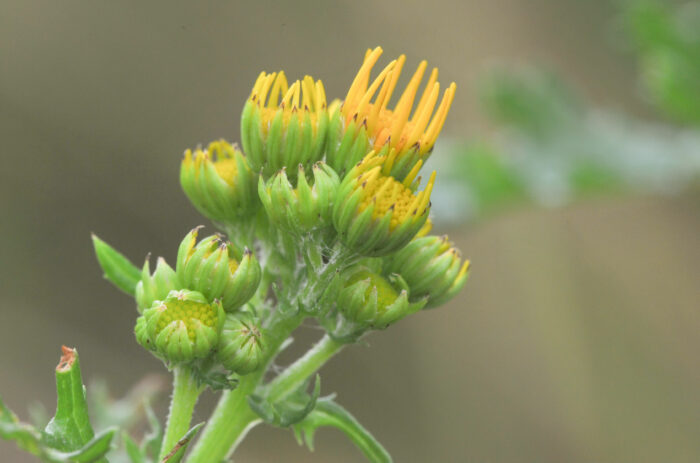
185	394
295	375
232	417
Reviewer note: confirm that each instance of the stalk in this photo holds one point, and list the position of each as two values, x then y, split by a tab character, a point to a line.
298	372
186	391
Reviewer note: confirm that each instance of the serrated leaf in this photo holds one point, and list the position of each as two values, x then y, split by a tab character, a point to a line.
117	268
182	444
329	413
289	410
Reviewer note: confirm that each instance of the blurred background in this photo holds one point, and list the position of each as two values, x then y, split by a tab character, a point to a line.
568	173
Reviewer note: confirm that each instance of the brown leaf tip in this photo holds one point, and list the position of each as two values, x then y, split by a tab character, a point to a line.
68	356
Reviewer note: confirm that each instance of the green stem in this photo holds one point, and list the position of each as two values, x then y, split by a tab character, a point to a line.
185	394
232	417
295	375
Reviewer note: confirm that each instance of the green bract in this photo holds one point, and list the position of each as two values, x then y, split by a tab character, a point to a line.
218	270
157	286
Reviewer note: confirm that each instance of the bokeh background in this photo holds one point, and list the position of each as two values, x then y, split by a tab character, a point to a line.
576	338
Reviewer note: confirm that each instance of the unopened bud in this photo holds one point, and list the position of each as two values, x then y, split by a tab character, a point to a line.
242	345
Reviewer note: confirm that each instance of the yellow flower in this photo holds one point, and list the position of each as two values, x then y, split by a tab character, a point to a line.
283	125
375	214
405	134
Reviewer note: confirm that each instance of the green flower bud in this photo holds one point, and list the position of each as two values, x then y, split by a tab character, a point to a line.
182	327
374	214
217	269
368	299
304	208
432	268
155	287
287	134
242	345
219	182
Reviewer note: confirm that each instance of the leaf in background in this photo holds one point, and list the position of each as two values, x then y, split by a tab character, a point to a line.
133	451
289	410
117	268
667	39
328	413
532	100
150	446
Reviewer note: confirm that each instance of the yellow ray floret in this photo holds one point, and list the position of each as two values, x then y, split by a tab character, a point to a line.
401	127
272	92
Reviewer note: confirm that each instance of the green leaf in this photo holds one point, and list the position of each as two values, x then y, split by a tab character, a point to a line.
133	451
150	446
92	452
328	413
182	444
288	411
25	436
117	268
70	428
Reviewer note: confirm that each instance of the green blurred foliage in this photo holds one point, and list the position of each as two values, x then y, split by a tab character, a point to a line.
666	37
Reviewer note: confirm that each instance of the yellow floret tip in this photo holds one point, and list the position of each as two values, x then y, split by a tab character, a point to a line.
400	127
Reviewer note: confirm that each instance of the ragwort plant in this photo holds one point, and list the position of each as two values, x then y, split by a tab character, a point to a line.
321	216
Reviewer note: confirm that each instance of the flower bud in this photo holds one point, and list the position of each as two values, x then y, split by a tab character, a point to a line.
242	345
182	327
432	268
155	287
215	268
219	182
304	208
368	299
374	214
364	121
284	133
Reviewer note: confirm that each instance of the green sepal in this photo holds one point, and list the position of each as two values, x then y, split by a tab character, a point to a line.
346	145
117	268
287	411
328	413
182	444
93	451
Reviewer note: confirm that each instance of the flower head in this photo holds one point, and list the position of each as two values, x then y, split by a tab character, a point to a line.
219	182
182	327
283	125
243	343
375	214
365	114
432	267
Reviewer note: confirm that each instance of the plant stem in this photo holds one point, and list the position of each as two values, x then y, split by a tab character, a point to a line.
295	375
232	417
185	394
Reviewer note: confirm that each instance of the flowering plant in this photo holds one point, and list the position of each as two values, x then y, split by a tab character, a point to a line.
321	216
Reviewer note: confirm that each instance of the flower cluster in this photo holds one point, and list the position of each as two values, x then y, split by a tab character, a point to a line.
329	198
